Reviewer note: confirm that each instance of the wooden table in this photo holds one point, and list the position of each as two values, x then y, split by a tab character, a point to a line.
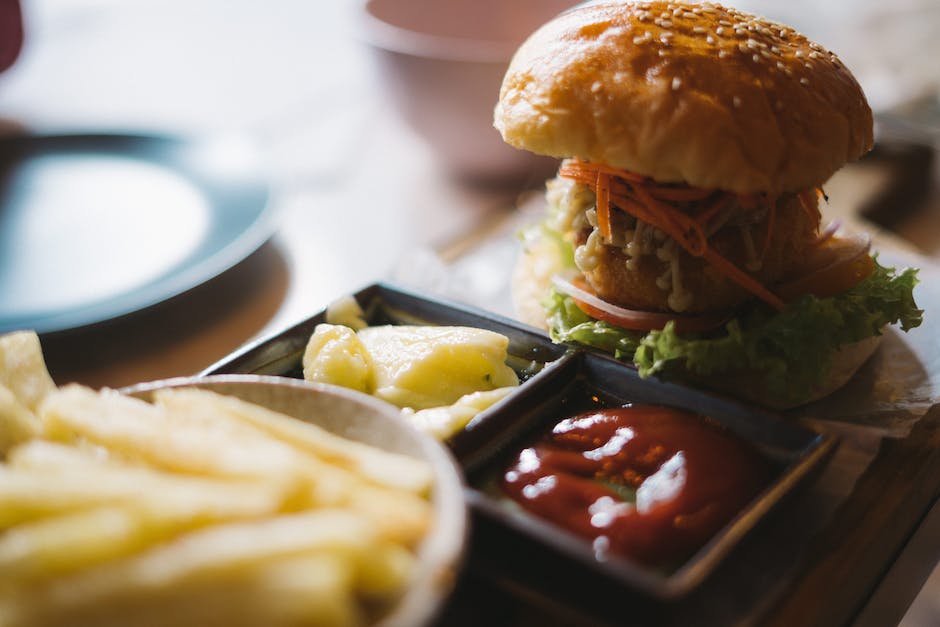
361	199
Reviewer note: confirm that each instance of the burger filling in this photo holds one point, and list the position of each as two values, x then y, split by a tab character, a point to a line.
847	298
676	248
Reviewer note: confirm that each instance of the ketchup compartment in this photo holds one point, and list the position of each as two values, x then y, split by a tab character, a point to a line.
648	482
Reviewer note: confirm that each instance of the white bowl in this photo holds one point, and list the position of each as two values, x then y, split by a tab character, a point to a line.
442	63
362	418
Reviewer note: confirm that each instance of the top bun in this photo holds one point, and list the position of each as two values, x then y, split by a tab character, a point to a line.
696	94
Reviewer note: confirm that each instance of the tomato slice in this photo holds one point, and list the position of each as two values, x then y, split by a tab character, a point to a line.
838	264
634	319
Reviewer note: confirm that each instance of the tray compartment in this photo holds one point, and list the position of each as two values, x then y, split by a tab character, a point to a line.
584	381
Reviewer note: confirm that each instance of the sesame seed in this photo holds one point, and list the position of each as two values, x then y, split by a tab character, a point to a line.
752	44
666	24
766	54
784	32
691	15
707	8
698	29
756	58
788	72
664	14
781	66
710	39
725	23
677	12
815	55
737	102
808	66
723	53
697	10
676	83
719	31
798	54
742	47
804	81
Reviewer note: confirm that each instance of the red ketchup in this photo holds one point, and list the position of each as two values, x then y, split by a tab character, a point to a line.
690	478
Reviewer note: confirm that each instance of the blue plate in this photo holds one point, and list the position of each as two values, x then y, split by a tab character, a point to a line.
93	227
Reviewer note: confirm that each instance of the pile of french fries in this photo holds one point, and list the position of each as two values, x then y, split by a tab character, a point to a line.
192	509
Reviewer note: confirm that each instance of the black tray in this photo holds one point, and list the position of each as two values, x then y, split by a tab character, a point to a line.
560	380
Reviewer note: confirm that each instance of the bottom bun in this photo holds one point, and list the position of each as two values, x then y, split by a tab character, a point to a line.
750	386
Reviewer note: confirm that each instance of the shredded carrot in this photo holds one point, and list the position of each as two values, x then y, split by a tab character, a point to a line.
743	279
676	224
602	187
637	195
713	209
576	165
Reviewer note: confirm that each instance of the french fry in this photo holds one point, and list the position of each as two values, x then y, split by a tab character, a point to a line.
17	422
57	457
23	369
108	514
303	590
381	467
140	431
27	495
179	569
69	542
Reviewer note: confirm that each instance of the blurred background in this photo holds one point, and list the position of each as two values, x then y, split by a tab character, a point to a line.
376	160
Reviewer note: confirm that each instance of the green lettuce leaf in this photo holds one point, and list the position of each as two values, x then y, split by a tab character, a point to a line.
791	351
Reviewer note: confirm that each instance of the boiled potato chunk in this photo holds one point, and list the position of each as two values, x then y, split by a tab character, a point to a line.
336	355
347	312
444	422
427	366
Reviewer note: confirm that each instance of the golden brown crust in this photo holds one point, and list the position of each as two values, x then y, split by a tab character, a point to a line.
698	94
794	229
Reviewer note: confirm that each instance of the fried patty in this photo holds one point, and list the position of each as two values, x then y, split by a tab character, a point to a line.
703	288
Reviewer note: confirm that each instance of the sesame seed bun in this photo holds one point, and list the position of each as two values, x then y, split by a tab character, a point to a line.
695	94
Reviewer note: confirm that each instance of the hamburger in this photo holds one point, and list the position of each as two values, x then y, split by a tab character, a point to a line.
683	229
